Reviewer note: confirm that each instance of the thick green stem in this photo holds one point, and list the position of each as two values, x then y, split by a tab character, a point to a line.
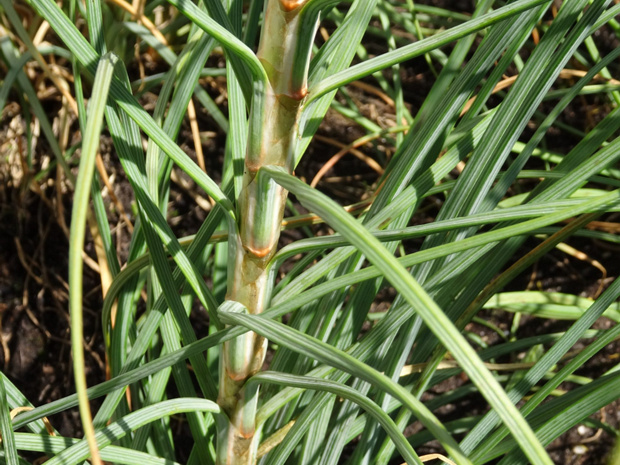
272	135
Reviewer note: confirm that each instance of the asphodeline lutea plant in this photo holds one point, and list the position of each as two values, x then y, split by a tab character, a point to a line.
344	383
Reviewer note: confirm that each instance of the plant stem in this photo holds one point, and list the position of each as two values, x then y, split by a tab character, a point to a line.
272	135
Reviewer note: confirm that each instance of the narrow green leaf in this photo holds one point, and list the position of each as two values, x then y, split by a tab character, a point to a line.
318	384
113	432
6	428
90	145
418	48
304	344
424	305
52	445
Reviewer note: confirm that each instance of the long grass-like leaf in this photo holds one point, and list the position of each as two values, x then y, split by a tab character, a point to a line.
334	357
545	363
55	444
132	421
429	311
90	145
88	57
6	428
419	48
305	382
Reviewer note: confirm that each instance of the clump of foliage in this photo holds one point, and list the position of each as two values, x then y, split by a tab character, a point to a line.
343	383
